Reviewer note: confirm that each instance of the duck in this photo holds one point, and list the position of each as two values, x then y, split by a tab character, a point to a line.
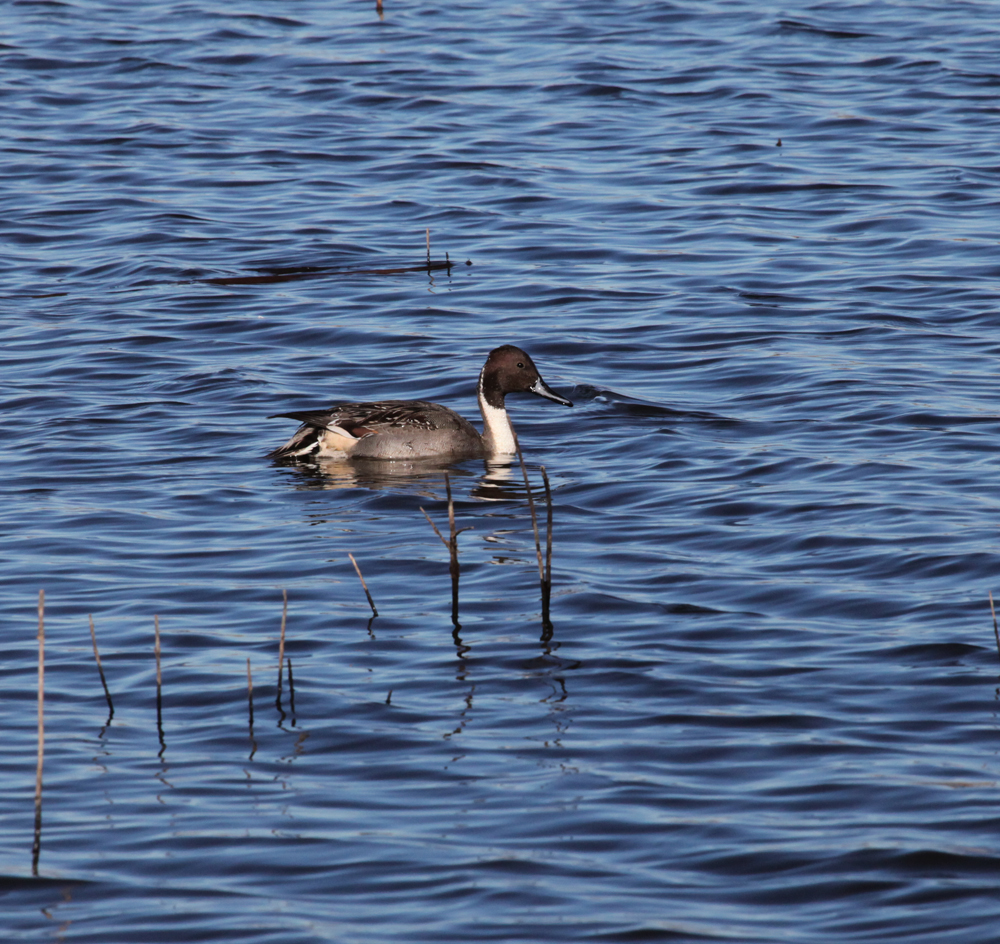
417	429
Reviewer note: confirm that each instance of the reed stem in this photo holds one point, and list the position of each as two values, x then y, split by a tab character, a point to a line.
453	551
531	507
281	644
371	602
996	631
100	669
250	694
544	566
451	542
36	848
547	578
159	684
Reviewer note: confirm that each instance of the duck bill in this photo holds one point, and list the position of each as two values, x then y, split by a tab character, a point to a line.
541	388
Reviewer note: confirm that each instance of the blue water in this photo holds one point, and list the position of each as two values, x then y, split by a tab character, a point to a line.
756	245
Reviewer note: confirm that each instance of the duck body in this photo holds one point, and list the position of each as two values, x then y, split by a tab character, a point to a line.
387	429
418	429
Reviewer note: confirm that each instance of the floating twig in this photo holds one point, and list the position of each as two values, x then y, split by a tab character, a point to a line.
36	847
428	249
301	273
388	698
996	632
291	690
371	602
100	669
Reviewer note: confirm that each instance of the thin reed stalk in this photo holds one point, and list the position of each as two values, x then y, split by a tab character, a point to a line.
253	741
996	631
452	544
544	565
250	694
156	651
36	847
159	684
281	645
100	669
453	550
371	602
547	578
531	508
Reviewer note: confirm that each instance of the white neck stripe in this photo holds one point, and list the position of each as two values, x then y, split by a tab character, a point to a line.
498	434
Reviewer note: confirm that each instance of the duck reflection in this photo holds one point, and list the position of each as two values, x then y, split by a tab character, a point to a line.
417	476
497	483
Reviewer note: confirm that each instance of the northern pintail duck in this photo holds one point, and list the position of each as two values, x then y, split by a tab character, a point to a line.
416	429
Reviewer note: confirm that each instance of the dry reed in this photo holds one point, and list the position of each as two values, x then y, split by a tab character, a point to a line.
100	669
36	847
996	631
452	544
159	685
547	579
250	694
371	602
544	564
281	645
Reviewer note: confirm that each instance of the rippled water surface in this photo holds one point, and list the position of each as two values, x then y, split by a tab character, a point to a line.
755	243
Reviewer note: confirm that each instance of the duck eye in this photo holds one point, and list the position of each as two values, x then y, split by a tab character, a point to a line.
520	366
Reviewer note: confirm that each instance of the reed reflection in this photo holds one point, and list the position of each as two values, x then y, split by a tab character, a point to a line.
496	485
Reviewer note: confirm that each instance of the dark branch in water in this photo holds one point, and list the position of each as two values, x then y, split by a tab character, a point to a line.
301	273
